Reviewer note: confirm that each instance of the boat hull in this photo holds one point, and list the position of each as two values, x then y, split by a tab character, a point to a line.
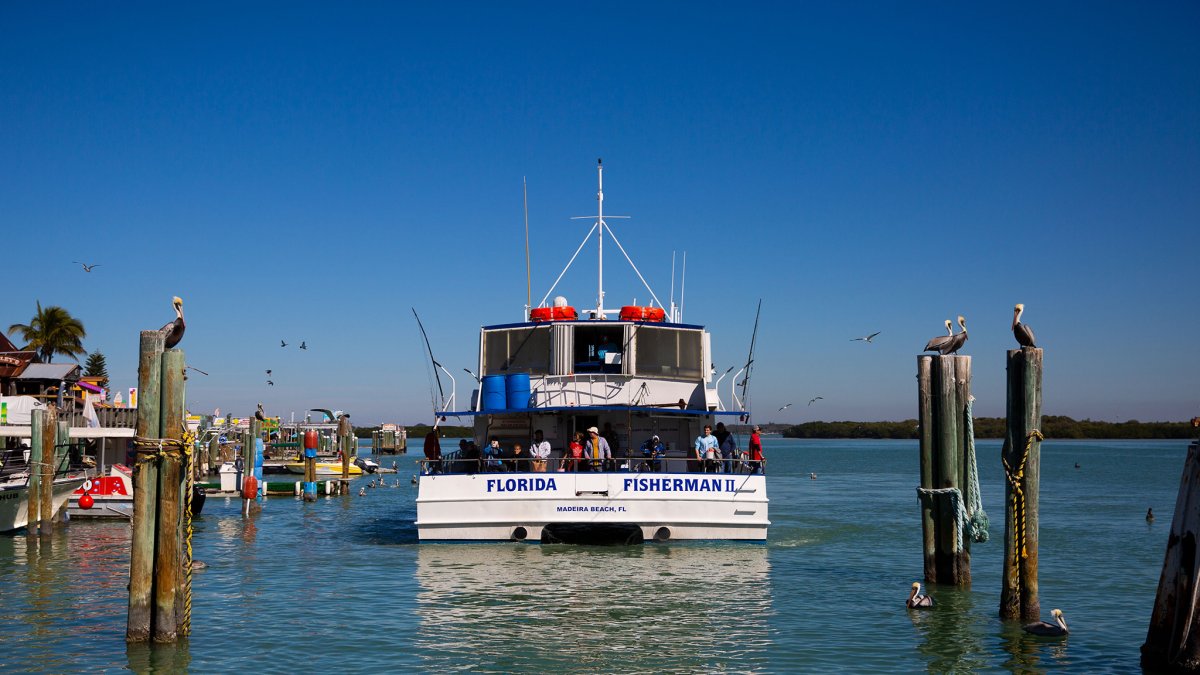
535	506
324	469
14	501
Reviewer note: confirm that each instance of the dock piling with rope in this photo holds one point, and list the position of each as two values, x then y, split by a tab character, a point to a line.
949	491
160	552
1021	456
1172	643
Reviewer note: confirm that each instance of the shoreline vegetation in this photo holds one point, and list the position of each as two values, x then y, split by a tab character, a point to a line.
1053	426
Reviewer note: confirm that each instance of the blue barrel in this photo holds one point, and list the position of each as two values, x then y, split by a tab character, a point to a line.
492	396
518	391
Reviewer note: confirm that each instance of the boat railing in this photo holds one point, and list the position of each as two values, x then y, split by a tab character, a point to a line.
452	463
581	389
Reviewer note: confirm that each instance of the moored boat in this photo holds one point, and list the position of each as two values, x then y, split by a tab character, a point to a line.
636	376
325	469
14	498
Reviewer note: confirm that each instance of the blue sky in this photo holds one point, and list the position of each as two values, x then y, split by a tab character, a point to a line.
313	171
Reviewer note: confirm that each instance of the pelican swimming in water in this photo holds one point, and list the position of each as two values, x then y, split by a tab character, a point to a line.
915	599
173	330
936	343
1023	333
1059	627
955	343
1150	515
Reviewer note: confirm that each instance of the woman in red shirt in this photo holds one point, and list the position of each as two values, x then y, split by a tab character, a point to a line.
756	450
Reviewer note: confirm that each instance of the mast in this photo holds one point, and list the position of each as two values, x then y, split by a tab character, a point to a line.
600	236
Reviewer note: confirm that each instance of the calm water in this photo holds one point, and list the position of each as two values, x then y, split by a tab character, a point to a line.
342	583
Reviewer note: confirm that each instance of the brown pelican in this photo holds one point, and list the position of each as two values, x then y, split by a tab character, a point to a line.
282	343
936	343
258	414
86	267
1024	333
866	338
1150	515
173	331
1059	627
916	600
955	343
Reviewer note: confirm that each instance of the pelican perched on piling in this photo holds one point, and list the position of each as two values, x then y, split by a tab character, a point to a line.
915	599
173	330
1023	333
955	343
936	343
1059	627
259	414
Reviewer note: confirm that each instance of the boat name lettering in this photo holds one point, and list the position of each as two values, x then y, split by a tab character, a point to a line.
680	485
591	509
11	495
521	485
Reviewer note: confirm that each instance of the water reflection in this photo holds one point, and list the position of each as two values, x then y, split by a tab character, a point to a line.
952	632
680	607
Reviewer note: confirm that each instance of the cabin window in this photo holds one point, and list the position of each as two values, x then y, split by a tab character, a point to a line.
668	352
599	349
517	350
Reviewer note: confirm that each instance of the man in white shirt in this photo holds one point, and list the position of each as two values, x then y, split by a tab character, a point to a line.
540	451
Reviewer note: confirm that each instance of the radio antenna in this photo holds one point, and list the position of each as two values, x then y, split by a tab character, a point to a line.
528	272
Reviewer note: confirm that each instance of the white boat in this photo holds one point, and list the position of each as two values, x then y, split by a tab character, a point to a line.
14	498
324	469
635	372
111	495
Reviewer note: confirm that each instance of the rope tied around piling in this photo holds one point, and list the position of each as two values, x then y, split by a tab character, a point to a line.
185	627
977	518
1015	478
956	502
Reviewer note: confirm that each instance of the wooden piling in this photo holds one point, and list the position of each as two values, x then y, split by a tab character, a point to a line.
62	443
942	391
1021	456
167	556
33	510
46	468
145	488
1171	641
346	450
925	418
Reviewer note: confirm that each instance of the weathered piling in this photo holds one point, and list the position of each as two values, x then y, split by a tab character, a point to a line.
36	429
46	468
1171	641
1021	456
145	488
62	444
347	448
214	452
943	392
167	558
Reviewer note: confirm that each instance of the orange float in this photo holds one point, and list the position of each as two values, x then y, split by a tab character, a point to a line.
636	313
565	313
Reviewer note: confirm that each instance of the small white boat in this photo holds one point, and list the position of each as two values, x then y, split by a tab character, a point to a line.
14	498
366	464
112	495
324	469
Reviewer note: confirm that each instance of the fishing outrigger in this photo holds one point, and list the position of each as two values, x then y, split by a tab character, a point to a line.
602	421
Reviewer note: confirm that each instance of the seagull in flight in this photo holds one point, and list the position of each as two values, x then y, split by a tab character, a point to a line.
815	398
282	343
86	267
868	338
302	345
785	407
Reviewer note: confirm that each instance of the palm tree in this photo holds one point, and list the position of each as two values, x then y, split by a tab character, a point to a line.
52	331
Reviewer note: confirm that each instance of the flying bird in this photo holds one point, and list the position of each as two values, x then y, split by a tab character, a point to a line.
302	345
867	338
282	343
1059	627
173	330
1023	333
86	267
268	372
270	383
916	600
936	343
785	407
258	414
815	398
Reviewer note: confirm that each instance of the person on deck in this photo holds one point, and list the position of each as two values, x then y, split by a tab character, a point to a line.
599	453
540	451
492	454
756	450
573	455
706	449
728	446
433	451
653	451
518	458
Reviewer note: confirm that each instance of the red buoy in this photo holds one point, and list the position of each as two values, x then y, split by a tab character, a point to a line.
310	439
250	487
86	501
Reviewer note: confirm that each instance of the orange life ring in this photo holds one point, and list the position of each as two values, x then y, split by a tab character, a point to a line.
636	313
539	314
